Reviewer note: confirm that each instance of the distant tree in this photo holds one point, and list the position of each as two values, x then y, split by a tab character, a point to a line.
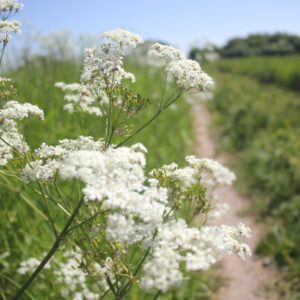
262	44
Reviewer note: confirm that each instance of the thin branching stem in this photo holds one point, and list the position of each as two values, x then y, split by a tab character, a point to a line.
62	236
156	296
159	111
2	52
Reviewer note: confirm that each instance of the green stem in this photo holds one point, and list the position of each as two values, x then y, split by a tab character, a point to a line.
2	52
125	289
157	295
104	295
51	252
141	128
112	288
160	110
48	212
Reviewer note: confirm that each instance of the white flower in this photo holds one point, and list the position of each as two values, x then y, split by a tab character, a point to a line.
29	265
10	26
166	53
39	170
78	98
188	74
218	210
17	111
106	172
71	279
162	271
10	138
7	9
198	249
213	174
51	158
102	69
10	6
208	172
116	177
124	38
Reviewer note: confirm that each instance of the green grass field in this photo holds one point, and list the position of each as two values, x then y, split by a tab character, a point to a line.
24	231
260	124
282	70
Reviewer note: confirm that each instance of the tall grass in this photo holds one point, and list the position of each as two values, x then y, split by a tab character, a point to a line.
282	70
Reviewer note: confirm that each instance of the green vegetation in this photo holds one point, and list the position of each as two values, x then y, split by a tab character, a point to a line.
35	83
262	44
278	44
260	124
24	231
283	71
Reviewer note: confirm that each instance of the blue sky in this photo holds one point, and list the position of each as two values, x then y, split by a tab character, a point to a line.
179	22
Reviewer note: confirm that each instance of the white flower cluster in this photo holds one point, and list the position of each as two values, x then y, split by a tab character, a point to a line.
198	249
166	53
213	174
10	6
78	98
10	138
50	158
10	26
102	70
208	172
116	177
7	8
124	38
70	277
217	210
187	73
14	110
139	210
29	265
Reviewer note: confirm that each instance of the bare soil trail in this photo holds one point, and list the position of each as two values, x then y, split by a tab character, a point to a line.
245	278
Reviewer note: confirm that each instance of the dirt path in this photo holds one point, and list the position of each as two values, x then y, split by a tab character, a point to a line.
245	277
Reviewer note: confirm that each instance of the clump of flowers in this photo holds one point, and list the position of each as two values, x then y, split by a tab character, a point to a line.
7	9
11	140
69	275
102	75
125	227
187	72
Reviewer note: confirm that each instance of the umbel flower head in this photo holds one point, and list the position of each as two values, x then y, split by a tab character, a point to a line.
103	71
123	211
187	73
7	9
140	210
10	138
